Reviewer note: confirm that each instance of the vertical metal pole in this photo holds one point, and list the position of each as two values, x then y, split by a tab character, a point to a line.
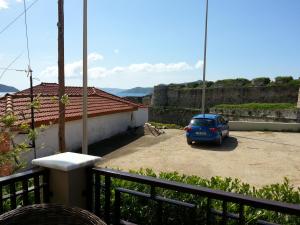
32	111
107	199
85	105
204	61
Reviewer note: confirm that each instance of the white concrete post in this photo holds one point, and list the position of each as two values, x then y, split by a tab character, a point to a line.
67	181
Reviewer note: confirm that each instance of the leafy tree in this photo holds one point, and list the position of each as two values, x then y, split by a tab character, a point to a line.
239	82
283	79
261	81
10	127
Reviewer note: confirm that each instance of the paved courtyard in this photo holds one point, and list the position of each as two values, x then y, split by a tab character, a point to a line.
258	158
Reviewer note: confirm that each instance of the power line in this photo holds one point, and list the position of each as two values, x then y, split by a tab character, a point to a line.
19	70
8	67
21	14
30	78
26	33
12	69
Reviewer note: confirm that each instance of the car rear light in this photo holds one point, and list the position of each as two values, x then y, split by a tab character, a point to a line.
213	129
187	128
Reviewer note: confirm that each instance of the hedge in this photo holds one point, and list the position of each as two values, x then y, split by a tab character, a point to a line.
142	211
257	106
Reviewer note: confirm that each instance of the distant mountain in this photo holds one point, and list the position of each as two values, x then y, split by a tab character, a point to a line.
137	91
113	91
5	88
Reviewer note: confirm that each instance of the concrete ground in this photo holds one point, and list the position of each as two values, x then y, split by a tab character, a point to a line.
258	158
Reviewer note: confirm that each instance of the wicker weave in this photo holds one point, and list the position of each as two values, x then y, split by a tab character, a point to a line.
49	214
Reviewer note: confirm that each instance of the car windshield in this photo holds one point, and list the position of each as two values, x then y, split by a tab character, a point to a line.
202	122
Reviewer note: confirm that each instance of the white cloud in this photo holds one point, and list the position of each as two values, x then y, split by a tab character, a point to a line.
199	64
21	1
97	72
159	67
118	69
95	56
74	69
3	4
50	71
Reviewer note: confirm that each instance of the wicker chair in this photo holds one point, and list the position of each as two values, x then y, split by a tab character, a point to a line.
49	214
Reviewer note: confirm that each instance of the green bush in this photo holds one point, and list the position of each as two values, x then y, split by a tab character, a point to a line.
294	83
5	190
239	82
257	106
261	81
176	86
142	211
209	84
283	79
193	85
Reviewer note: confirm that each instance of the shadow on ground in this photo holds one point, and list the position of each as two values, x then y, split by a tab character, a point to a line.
267	141
229	144
109	145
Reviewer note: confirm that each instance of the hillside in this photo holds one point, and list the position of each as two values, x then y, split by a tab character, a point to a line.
139	90
113	91
5	88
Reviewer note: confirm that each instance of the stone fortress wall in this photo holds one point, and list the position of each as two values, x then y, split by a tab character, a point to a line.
178	105
298	104
167	96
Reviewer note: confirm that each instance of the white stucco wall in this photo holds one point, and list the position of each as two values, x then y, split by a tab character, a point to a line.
263	126
140	117
99	128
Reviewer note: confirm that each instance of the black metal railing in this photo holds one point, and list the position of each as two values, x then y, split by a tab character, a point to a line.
108	198
26	188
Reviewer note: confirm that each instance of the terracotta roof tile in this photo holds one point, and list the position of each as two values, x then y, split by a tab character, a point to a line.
99	103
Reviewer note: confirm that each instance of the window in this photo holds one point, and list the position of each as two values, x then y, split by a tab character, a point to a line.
202	122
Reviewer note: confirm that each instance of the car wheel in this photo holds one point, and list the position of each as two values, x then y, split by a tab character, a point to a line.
227	135
220	140
189	141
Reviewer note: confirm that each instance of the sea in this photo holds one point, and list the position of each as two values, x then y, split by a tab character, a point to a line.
125	94
4	93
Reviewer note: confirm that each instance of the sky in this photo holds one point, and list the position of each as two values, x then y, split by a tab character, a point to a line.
149	42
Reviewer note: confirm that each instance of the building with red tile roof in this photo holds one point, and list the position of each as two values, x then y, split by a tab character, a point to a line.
108	114
99	103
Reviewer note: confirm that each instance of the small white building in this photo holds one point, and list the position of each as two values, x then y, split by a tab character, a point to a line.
108	115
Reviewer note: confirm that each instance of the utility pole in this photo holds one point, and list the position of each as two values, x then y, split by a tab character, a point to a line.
204	61
32	111
61	76
85	96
